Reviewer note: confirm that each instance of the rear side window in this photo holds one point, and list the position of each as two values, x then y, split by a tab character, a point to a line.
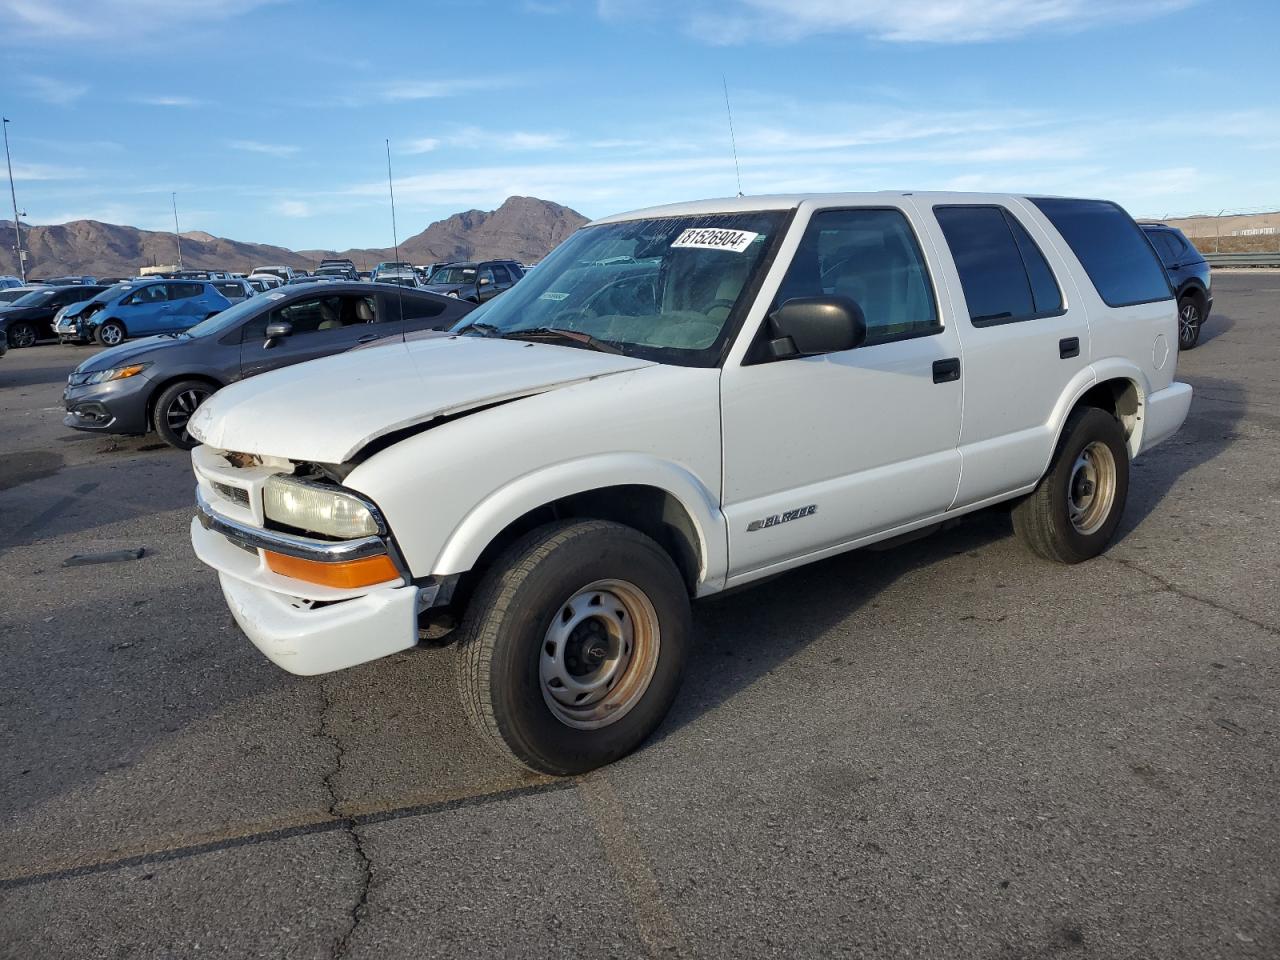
1111	248
416	307
185	291
1003	273
872	256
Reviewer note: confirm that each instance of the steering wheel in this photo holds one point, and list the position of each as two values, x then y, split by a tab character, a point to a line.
720	302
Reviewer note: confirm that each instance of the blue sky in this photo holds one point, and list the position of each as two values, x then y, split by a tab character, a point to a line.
268	118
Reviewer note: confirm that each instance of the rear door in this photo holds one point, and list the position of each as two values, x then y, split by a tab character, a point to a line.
1025	341
323	324
190	302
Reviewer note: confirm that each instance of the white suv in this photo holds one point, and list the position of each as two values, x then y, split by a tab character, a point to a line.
678	401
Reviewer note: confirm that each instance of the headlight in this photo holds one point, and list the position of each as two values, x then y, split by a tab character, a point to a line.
114	373
312	507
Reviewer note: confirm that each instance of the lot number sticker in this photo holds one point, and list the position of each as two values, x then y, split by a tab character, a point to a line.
709	238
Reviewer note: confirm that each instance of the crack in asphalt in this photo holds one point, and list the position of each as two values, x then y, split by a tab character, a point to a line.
348	824
1173	588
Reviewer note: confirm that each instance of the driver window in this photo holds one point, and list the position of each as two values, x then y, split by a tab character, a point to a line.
872	257
486	274
155	293
315	314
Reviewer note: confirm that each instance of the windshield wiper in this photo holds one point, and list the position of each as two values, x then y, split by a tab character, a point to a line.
556	333
482	328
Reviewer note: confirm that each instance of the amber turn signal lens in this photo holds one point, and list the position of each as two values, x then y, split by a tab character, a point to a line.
345	575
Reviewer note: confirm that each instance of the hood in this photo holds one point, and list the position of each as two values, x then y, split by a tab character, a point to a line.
129	352
327	410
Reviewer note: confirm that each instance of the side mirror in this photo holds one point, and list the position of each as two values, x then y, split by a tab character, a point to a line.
485	281
807	326
277	330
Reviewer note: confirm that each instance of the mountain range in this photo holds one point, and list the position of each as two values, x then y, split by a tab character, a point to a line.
522	228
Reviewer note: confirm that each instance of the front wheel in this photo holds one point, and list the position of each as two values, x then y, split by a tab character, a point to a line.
1190	320
110	334
574	646
21	334
174	408
1074	511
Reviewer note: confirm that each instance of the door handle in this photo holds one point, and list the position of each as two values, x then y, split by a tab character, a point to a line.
1069	347
944	371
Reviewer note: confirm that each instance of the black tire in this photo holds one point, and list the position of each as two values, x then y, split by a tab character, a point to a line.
110	334
1190	320
508	639
1044	519
173	410
21	334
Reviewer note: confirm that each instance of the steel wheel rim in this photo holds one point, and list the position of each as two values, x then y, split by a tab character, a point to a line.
178	414
1188	321
599	654
1091	491
22	335
111	336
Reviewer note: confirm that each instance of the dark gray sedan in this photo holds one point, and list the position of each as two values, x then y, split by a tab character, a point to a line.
157	382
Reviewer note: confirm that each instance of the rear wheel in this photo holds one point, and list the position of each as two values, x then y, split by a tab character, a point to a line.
1190	319
110	334
1074	511
21	334
574	646
174	408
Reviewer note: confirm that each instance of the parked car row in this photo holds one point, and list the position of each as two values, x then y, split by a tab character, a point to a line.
77	310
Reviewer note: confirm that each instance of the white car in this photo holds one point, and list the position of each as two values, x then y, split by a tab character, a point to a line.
678	401
282	273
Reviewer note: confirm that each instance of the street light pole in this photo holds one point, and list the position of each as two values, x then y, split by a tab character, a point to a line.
17	230
176	235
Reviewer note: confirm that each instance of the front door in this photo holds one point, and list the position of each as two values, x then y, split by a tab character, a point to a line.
146	311
323	324
822	451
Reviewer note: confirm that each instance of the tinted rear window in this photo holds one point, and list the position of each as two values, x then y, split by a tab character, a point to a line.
1112	249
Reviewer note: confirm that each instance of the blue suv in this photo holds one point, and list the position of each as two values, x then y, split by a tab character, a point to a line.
139	310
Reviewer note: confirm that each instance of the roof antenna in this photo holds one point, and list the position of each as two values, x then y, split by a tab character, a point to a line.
392	190
732	140
395	239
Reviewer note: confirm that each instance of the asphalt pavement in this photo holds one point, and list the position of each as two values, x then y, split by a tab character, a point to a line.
948	750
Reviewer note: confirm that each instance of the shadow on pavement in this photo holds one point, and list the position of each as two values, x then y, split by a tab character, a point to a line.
745	635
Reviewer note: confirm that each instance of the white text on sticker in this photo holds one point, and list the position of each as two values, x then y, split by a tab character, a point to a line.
709	238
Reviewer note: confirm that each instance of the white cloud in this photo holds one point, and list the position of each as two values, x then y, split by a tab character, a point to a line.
45	171
56	91
908	21
100	19
506	140
269	149
421	145
293	208
169	100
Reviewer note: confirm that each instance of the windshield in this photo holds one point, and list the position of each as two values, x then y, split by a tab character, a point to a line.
34	298
660	289
8	296
454	275
232	316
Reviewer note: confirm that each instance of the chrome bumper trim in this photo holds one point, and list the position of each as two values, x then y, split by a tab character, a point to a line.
303	548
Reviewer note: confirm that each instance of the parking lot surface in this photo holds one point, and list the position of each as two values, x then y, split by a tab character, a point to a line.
949	749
